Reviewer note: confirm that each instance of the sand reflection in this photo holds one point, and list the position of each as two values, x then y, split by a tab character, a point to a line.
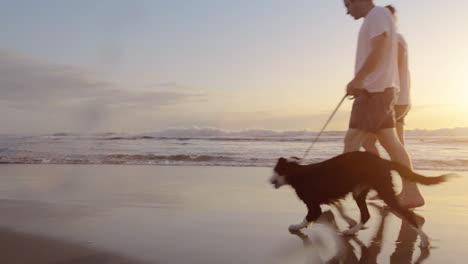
324	244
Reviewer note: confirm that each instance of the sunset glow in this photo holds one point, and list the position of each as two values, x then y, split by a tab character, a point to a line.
153	65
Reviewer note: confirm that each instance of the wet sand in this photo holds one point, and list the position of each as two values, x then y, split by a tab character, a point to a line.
17	247
157	214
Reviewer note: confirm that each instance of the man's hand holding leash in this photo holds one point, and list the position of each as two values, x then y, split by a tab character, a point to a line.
354	88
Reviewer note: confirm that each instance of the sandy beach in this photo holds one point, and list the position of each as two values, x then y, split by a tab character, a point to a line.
162	214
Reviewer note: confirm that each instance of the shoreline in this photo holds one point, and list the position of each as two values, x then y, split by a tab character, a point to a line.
188	165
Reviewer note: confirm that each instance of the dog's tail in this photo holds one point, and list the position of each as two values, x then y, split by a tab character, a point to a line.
418	178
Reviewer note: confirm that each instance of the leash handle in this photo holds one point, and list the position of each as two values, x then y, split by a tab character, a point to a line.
323	128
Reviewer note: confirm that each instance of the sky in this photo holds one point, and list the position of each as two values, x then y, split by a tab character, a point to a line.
144	66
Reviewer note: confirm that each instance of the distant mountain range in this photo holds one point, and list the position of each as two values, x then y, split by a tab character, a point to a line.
197	132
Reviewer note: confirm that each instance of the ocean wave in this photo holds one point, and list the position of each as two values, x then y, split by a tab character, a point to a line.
458	135
230	138
445	140
204	160
118	159
214	133
250	139
151	157
62	134
129	138
455	135
447	165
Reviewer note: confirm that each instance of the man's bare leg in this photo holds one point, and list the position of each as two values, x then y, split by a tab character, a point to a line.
401	136
370	144
401	132
353	140
410	197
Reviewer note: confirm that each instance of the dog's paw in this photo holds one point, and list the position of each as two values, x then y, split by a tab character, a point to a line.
299	226
351	222
353	230
425	243
349	232
295	228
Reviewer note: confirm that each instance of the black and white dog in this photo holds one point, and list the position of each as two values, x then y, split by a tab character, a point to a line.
357	172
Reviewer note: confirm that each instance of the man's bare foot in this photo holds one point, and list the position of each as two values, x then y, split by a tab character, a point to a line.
410	201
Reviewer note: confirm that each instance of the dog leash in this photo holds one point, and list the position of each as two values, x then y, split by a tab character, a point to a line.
323	128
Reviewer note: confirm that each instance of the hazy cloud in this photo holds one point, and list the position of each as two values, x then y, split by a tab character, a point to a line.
29	87
180	87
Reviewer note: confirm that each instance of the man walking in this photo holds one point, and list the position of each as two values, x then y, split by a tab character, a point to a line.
375	85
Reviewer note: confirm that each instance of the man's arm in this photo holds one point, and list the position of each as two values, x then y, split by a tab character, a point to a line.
369	66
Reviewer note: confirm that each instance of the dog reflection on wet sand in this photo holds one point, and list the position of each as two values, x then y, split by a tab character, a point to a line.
324	247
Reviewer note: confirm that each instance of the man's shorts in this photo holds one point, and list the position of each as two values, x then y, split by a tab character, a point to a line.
400	113
373	112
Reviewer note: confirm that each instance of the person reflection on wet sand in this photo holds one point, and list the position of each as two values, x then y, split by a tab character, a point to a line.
403	253
405	244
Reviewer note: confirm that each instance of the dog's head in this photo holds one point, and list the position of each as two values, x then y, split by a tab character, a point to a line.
282	170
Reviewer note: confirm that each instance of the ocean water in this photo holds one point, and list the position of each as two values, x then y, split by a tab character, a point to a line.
431	150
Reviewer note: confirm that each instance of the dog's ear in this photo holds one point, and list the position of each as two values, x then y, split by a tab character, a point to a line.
280	165
282	160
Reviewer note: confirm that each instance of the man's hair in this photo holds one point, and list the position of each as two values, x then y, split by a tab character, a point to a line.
391	8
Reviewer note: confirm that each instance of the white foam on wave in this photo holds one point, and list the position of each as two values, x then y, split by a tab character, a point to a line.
213	147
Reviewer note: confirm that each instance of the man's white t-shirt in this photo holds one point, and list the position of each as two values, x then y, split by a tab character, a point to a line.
404	95
377	22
